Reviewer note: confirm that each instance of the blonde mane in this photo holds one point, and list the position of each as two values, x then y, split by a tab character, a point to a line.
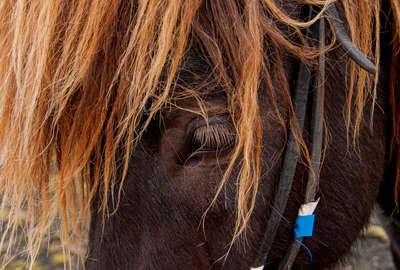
80	80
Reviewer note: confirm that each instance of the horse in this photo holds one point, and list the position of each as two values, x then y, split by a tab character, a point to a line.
160	129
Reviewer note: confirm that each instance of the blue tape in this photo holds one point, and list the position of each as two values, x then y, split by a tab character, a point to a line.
304	226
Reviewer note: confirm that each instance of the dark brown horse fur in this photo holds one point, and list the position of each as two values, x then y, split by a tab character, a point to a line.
158	222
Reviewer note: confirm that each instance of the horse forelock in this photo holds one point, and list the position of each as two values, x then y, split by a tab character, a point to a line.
82	80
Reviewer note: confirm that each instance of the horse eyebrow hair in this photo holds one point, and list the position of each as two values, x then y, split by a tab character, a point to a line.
191	106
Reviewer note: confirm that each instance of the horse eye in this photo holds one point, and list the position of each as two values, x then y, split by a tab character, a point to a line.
213	138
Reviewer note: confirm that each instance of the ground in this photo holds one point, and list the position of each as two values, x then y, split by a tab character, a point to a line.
372	251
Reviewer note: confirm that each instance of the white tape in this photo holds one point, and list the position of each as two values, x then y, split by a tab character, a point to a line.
308	208
258	268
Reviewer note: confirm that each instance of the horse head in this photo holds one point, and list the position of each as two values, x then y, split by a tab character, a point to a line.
163	129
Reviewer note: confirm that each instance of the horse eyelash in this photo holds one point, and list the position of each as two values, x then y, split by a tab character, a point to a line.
213	137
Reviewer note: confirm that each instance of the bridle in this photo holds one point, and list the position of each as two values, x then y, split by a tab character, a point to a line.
301	93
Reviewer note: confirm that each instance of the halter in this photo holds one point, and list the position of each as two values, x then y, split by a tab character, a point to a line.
301	93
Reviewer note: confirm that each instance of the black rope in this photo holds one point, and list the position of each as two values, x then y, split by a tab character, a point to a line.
344	39
292	151
290	159
316	149
289	163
